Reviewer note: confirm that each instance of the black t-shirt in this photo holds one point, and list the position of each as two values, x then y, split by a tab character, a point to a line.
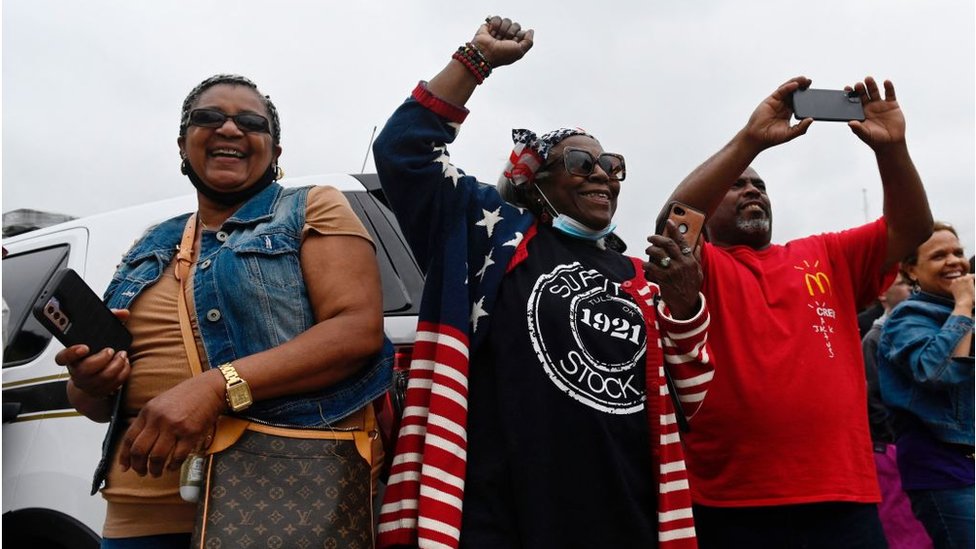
558	448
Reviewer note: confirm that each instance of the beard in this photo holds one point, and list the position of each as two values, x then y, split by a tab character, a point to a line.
755	225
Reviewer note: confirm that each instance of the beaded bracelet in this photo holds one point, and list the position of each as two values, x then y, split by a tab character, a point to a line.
472	58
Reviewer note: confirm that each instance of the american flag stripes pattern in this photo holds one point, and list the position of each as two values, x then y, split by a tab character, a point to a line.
466	237
523	162
428	469
681	345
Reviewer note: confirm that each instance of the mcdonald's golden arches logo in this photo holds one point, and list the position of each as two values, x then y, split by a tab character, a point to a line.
815	279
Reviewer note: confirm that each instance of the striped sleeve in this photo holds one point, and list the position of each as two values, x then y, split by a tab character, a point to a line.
686	354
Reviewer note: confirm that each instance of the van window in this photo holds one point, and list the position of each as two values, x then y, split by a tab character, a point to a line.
402	279
24	276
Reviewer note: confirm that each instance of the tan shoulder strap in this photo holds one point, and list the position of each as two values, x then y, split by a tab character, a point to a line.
183	261
364	439
228	429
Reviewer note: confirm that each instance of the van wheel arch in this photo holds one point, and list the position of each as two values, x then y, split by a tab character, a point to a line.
46	529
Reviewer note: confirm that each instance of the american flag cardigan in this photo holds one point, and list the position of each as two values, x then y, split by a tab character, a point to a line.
467	238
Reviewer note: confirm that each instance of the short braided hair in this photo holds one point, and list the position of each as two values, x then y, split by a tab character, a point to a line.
233	80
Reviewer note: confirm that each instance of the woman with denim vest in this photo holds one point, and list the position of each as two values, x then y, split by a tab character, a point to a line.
283	292
925	367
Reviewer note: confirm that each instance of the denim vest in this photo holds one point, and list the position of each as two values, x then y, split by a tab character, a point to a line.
920	380
250	296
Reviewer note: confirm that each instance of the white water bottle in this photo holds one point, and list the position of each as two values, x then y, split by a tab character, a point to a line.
191	478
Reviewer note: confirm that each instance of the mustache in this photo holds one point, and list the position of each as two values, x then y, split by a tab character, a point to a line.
762	205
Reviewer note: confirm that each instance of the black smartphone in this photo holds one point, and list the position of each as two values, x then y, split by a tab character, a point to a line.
74	314
688	220
833	105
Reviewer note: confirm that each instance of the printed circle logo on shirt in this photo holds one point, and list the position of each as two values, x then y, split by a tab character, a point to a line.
590	338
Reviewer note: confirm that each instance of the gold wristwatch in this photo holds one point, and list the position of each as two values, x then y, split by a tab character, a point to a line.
238	392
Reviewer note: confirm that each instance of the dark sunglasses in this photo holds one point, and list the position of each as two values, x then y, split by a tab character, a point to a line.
246	121
580	162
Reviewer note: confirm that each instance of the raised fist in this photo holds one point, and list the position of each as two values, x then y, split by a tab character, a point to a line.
502	41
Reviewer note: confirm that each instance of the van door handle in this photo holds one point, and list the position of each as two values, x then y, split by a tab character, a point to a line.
10	411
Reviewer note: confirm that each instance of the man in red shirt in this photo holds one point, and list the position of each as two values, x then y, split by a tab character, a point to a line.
780	453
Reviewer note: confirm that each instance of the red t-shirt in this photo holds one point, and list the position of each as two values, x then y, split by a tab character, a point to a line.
785	420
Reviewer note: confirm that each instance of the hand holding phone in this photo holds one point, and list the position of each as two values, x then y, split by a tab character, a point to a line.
688	220
74	314
831	105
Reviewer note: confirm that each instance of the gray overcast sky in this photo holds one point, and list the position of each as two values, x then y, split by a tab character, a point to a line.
92	91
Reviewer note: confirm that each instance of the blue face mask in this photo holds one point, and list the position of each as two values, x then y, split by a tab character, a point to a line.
567	225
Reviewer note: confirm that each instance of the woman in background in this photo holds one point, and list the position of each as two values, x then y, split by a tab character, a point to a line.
925	366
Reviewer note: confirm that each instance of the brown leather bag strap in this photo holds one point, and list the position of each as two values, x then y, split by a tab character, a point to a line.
364	438
228	429
184	258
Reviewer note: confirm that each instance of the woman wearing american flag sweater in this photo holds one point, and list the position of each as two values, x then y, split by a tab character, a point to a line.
537	412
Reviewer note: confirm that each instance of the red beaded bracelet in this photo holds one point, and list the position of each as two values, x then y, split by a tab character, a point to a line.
472	58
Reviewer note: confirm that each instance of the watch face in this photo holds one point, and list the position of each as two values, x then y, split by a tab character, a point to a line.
238	397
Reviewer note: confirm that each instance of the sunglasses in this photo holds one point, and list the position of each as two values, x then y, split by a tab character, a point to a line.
580	162
246	121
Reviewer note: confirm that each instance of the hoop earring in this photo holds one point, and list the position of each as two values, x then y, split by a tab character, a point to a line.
184	166
279	173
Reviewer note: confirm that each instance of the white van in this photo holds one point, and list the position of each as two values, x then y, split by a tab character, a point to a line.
49	450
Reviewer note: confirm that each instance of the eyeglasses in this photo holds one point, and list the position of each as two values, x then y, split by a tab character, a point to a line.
580	162
246	121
